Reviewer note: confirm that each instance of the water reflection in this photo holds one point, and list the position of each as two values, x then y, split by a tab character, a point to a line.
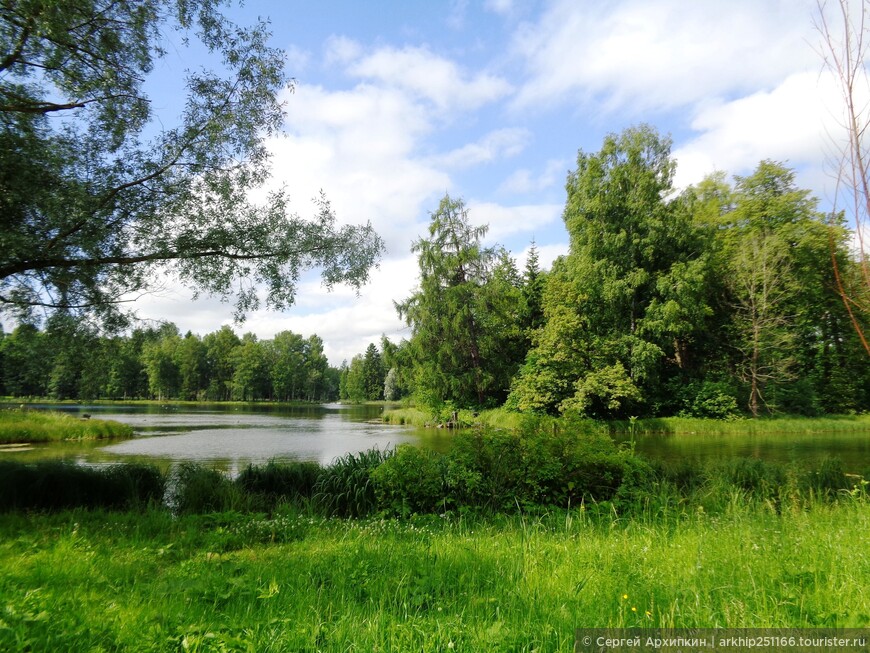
233	436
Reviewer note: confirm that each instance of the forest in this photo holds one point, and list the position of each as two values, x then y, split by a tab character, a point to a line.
716	301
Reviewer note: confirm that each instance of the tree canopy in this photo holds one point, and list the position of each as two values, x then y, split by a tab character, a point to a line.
97	196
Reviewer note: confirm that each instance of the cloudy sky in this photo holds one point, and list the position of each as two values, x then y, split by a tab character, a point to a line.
398	103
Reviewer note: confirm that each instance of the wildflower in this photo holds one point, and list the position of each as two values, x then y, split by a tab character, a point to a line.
633	609
624	596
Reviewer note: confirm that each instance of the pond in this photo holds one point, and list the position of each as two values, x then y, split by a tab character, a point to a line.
231	437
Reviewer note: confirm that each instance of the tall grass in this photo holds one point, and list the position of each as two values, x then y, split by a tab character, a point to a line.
98	581
58	485
38	426
771	425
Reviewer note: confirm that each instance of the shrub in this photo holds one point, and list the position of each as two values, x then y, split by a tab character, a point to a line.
193	488
58	485
710	400
345	487
828	478
410	481
274	481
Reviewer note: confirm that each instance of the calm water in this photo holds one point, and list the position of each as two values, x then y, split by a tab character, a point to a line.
230	437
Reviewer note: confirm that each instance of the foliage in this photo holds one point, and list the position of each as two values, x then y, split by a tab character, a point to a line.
61	486
70	360
345	487
687	304
193	488
98	194
291	482
467	341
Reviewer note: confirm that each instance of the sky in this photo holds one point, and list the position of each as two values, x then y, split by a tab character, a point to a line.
398	103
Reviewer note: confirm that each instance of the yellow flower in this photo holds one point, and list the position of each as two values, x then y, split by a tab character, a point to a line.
624	596
633	609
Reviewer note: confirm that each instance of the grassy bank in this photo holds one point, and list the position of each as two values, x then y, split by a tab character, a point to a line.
45	426
147	581
500	418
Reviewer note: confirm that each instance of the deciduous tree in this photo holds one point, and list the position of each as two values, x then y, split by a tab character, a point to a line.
97	197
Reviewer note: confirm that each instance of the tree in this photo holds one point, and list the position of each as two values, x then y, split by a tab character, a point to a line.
287	365
26	361
355	385
219	347
373	373
844	50
460	345
161	363
786	322
96	197
250	370
623	308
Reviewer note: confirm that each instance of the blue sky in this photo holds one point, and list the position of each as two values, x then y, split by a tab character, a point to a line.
398	103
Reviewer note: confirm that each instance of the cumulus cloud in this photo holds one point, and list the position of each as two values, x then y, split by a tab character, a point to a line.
499	144
507	221
429	76
637	55
527	181
790	123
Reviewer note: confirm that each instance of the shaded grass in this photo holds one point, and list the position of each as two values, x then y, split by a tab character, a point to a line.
141	582
771	425
45	426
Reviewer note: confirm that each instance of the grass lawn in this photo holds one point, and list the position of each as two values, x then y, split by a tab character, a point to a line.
146	581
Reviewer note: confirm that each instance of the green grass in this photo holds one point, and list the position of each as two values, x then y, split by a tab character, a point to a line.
44	426
148	581
761	426
409	416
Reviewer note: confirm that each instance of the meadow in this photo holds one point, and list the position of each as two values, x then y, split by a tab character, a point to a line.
507	542
147	581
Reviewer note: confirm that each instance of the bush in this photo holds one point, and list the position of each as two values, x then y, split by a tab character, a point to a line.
57	485
828	478
292	482
345	487
710	400
501	471
410	481
194	489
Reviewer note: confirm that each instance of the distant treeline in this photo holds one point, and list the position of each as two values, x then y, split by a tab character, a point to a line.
71	360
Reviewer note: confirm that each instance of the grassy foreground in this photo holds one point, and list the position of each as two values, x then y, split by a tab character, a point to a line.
45	426
147	581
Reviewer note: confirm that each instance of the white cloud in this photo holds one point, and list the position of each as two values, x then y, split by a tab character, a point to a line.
641	55
789	123
526	181
506	221
499	144
426	75
341	50
502	7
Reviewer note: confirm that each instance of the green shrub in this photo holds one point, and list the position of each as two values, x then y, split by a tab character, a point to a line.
827	479
411	481
57	485
345	487
193	488
292	481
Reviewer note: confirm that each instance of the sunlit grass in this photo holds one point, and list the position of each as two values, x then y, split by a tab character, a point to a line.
772	425
45	426
90	580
